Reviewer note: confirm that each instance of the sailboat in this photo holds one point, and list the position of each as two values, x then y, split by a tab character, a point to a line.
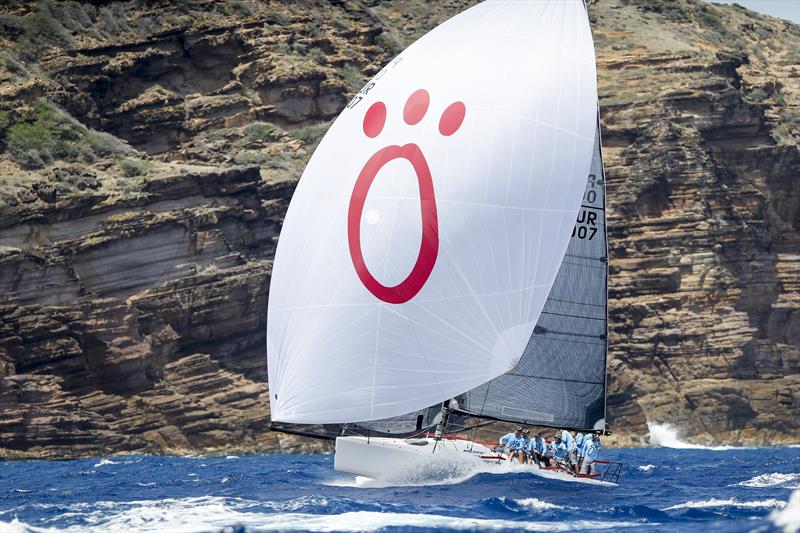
444	254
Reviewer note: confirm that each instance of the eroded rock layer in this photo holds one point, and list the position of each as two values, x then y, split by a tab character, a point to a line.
149	152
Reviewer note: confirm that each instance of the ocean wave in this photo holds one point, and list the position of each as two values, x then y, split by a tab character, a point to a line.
667	436
535	504
773	480
715	503
788	518
646	468
196	516
104	462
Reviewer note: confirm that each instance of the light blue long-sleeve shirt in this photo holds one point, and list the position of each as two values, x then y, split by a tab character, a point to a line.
509	441
579	441
558	450
591	448
567	440
536	445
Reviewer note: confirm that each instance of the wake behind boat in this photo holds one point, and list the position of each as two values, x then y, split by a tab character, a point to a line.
461	273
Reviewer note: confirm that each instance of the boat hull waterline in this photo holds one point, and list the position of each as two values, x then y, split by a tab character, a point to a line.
383	458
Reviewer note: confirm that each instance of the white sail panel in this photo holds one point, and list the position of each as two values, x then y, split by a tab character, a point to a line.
427	229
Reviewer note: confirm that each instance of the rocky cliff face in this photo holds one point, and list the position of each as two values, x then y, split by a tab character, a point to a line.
149	151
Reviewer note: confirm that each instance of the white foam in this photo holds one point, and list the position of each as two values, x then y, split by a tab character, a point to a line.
191	515
667	436
231	457
772	480
646	468
713	502
788	518
104	462
452	471
374	521
535	504
15	526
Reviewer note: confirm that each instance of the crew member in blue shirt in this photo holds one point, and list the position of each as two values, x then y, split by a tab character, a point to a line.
509	442
536	451
558	449
522	447
572	452
591	449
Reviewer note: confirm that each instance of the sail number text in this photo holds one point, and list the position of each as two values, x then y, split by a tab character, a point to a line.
586	225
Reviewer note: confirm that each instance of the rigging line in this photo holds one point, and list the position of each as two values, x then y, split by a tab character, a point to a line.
576	303
541	336
546	378
571	316
586	335
587	257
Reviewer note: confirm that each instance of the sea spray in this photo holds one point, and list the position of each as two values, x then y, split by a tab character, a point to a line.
667	436
788	518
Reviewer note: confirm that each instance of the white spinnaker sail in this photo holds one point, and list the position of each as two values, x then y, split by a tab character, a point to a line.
427	229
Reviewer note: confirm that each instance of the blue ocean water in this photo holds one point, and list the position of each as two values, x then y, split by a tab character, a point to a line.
661	489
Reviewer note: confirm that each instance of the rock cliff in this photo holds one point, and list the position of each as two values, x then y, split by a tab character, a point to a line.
150	149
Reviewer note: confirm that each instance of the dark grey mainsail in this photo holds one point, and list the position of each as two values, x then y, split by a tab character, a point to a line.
560	381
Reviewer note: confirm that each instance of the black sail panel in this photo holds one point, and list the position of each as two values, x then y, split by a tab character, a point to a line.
560	380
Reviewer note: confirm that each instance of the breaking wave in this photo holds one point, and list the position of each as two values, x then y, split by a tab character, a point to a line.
666	436
776	479
537	505
788	518
105	461
646	468
715	503
190	515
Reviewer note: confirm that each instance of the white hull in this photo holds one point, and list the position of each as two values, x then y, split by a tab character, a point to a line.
388	458
396	459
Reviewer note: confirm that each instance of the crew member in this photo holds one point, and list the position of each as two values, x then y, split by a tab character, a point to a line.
509	442
569	443
536	450
591	449
522	447
558	450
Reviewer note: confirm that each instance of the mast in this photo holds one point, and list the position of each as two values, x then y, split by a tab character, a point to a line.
440	427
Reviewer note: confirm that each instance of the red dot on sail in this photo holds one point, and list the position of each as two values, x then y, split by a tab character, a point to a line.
452	118
375	119
416	106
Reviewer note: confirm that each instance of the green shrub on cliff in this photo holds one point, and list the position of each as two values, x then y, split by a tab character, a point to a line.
134	167
49	134
39	29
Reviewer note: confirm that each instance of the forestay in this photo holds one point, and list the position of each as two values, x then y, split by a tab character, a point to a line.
427	229
560	380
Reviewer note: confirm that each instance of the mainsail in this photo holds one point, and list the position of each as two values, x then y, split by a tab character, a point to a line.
560	380
428	228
